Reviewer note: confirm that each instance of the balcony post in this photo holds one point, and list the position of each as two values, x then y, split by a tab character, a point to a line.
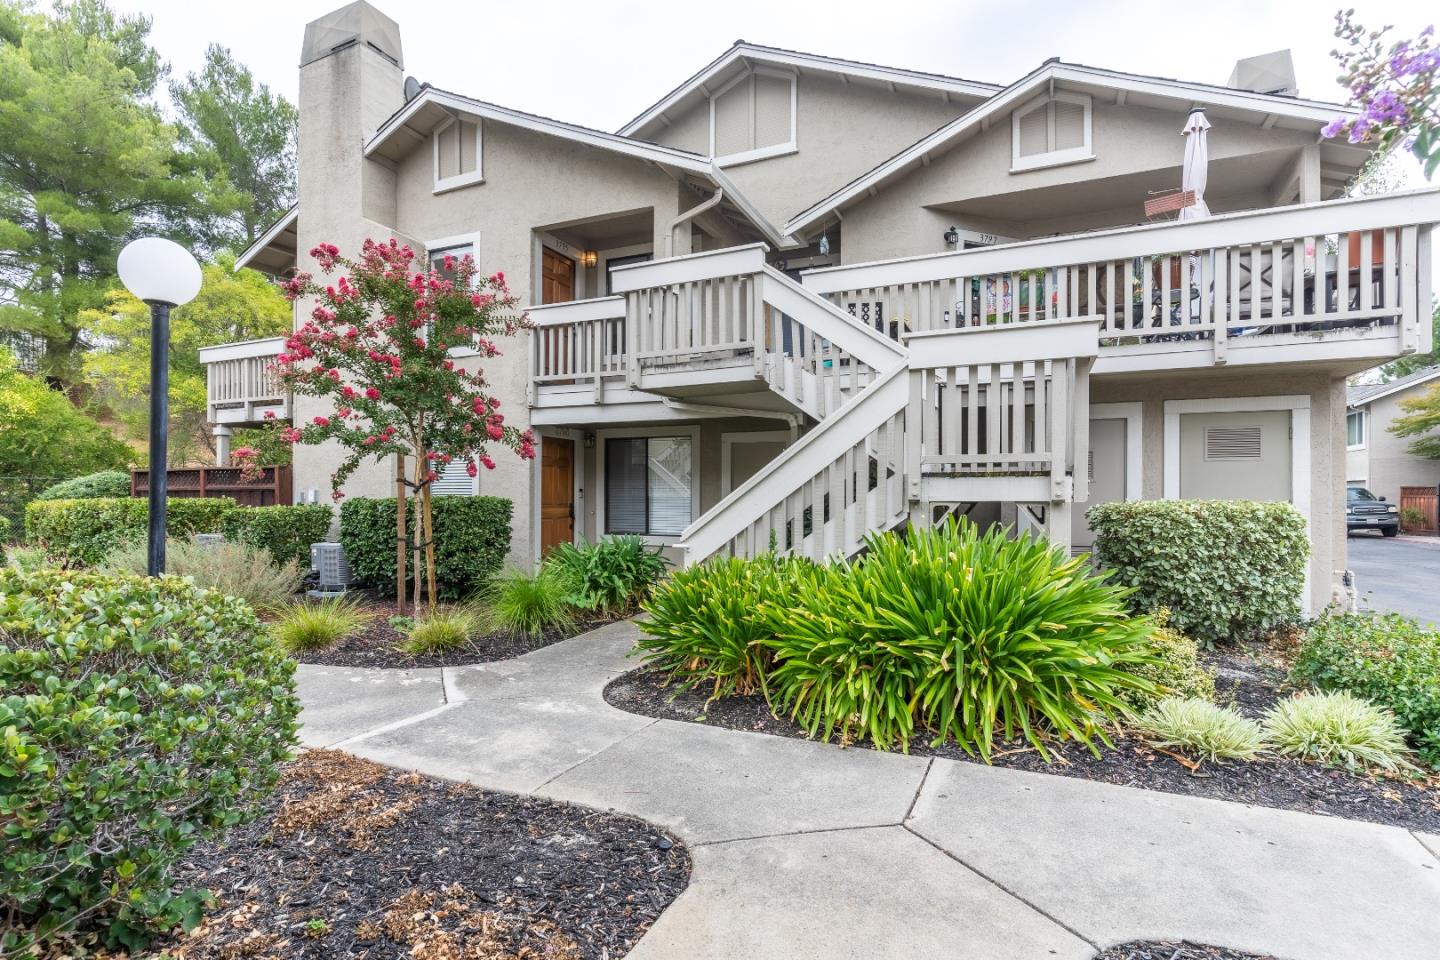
222	445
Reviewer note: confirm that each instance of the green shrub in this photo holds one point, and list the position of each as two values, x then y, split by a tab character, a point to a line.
1201	728
1336	728
966	636
1226	569
1176	671
4	530
317	624
1389	660
286	531
106	483
704	624
472	538
28	559
234	569
138	715
528	604
441	630
613	575
82	533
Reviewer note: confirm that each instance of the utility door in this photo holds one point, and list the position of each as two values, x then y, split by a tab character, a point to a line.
1235	456
1108	456
557	492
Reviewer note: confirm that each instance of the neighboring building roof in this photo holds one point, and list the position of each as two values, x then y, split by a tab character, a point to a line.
696	87
1359	396
274	250
1272	110
395	138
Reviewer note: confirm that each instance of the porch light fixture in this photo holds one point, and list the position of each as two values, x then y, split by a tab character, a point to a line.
164	275
589	258
952	237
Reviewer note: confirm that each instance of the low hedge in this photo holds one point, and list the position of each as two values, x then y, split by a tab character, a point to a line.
138	716
1226	569
1388	660
81	533
286	532
106	483
472	538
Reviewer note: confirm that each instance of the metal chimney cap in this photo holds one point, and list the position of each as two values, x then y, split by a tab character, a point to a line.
357	22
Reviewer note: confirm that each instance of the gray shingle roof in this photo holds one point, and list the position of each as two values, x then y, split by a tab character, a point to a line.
1362	394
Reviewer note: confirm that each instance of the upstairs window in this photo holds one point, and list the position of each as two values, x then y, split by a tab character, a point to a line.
1355	429
457	153
1051	130
753	117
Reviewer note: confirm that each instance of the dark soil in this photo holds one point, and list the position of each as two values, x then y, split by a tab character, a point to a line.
353	859
378	644
1174	950
1246	677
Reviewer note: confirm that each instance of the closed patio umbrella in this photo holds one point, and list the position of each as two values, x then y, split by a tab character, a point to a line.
1197	159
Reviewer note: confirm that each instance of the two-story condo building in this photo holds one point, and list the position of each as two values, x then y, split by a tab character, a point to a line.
799	298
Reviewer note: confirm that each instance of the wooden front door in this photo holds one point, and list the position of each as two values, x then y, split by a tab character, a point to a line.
557	492
557	277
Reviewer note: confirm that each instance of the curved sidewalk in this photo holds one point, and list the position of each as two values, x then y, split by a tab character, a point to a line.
805	850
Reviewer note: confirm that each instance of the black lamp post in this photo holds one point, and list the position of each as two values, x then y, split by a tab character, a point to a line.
164	275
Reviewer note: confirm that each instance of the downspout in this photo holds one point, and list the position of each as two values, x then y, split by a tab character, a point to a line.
690	214
792	419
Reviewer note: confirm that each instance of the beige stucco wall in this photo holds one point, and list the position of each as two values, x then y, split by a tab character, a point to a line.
842	130
899	220
1326	393
1390	463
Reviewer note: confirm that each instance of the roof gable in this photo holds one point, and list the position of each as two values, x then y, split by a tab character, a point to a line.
742	54
1359	396
1263	109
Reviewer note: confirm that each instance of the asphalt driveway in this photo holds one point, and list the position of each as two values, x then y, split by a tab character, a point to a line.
1397	575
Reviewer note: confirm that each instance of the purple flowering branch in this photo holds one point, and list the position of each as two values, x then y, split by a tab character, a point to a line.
1393	88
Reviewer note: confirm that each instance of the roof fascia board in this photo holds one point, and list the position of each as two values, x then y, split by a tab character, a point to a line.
490	111
1198	93
1394	389
280	226
802	61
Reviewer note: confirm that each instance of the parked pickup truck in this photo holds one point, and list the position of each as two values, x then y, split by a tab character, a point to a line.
1365	511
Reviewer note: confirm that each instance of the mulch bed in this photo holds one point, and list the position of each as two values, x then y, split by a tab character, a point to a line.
1246	677
1174	950
378	644
356	860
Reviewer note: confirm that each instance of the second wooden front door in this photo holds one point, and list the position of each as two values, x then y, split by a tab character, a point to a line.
557	492
557	277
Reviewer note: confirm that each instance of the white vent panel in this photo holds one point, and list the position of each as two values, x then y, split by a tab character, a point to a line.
1232	443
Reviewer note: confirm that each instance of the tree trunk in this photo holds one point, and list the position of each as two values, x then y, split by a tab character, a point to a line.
429	549
421	467
400	533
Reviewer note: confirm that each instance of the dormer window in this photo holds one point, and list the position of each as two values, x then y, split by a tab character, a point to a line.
457	153
753	117
1050	131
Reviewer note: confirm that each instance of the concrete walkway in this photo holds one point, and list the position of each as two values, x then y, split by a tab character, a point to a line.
805	850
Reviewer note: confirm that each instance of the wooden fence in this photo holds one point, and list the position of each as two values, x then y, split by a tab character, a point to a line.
1424	501
272	488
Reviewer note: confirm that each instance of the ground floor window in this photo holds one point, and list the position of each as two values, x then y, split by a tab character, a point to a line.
649	485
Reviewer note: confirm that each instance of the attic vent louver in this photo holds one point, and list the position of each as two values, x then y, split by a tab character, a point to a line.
1232	443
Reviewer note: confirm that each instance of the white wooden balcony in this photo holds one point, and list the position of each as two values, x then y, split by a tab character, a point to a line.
1345	281
241	390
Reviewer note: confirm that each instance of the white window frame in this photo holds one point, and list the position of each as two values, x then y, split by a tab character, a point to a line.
1364	429
459	245
477	175
1299	407
759	153
1051	158
693	432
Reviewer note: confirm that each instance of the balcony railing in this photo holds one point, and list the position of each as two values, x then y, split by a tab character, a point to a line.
1355	268
241	388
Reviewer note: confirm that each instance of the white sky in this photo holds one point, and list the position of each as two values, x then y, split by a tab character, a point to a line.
601	63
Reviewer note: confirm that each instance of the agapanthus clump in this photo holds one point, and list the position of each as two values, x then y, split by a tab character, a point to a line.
1394	89
377	346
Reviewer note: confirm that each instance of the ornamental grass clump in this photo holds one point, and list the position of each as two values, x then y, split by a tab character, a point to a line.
1202	729
528	604
315	625
1338	729
440	631
234	569
137	716
704	624
957	634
